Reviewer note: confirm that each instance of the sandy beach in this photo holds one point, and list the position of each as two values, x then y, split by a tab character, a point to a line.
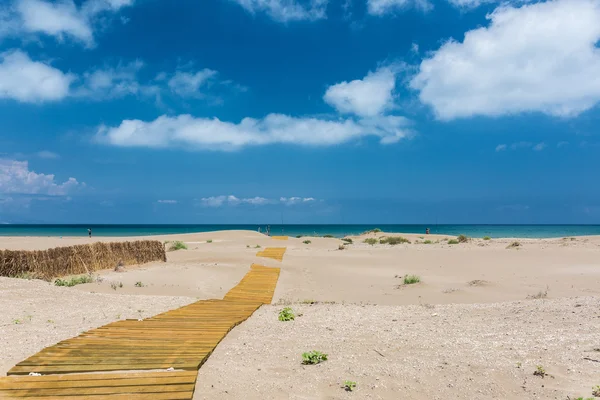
480	320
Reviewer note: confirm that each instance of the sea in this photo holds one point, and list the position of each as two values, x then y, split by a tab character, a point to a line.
477	231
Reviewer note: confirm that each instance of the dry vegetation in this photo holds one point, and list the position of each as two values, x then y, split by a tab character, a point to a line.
79	259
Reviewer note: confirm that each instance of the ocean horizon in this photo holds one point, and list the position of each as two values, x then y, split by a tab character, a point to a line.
337	230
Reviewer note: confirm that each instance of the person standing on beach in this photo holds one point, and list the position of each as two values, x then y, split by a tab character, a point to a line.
90	232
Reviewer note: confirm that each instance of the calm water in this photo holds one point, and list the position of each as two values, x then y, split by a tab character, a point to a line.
519	231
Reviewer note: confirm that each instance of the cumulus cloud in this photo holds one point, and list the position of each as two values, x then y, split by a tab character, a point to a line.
231	200
539	146
286	10
383	7
60	19
366	97
213	134
501	147
536	58
167	201
522	145
47	155
290	201
469	4
15	177
29	81
187	84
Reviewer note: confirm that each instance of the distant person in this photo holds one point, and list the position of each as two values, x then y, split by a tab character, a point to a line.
259	229
90	232
427	231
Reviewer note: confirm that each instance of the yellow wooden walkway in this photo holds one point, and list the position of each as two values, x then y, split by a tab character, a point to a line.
275	253
181	339
279	237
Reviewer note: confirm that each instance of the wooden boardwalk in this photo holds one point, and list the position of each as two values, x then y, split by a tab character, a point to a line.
275	253
279	237
181	339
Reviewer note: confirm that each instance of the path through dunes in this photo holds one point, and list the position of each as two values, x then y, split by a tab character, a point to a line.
181	339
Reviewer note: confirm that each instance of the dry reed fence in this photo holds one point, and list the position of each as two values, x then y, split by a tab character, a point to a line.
79	259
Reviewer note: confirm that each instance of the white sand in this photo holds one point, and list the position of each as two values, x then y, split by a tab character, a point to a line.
469	350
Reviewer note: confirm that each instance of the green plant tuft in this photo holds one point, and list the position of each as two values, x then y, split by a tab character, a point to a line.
394	240
298	236
514	245
370	241
452	241
287	314
347	240
487	238
328	236
313	357
410	279
178	245
75	280
139	284
427	242
307	242
349	386
540	371
462	239
376	230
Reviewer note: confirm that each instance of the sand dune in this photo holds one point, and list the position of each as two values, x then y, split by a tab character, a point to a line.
458	333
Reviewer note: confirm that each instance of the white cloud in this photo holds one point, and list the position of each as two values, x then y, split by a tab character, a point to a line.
60	19
213	134
47	154
520	145
187	84
469	4
290	201
562	144
15	177
501	147
231	200
366	97
537	58
286	10
29	81
539	146
382	7
167	201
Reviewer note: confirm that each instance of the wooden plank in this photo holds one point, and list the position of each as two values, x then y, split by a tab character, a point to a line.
164	380
104	390
129	396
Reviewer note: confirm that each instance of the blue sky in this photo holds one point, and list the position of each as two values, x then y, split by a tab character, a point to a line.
355	111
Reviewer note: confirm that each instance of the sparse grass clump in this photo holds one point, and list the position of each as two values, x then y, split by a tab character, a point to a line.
307	242
75	280
178	245
349	386
341	247
411	279
209	241
394	240
452	241
487	238
376	230
540	371
514	245
427	242
298	236
462	239
347	240
328	236
286	314
257	246
539	295
24	275
596	391
139	284
370	241
313	357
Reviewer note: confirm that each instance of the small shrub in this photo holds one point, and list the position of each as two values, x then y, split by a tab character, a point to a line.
462	239
513	245
487	238
540	371
247	246
349	386
328	236
410	279
75	280
313	357
347	240
120	284
307	242
298	236
596	391
139	284
539	295
427	242
376	230
394	240
113	285
452	241
341	247
209	241
178	245
257	246
370	241
286	314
